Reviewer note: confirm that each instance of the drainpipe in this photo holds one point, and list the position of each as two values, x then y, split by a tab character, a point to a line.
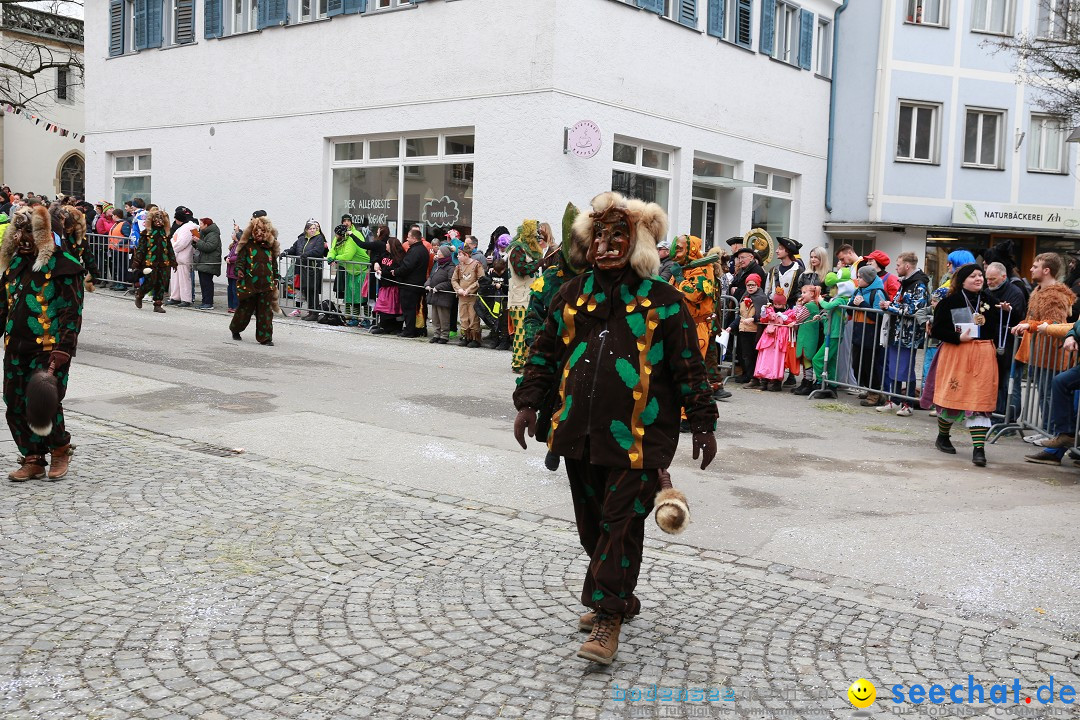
832	107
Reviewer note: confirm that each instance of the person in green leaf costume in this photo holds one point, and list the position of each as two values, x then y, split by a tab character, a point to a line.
620	349
153	260
256	280
41	279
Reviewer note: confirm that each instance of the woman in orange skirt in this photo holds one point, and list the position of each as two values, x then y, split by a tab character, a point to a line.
971	326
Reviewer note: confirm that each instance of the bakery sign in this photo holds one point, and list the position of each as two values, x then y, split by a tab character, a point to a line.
442	213
1028	217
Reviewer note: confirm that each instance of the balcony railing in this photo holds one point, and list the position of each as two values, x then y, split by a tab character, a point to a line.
41	24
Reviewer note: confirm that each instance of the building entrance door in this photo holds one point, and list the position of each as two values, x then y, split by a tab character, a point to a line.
703	222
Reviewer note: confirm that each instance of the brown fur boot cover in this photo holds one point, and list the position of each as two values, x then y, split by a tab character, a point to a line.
672	508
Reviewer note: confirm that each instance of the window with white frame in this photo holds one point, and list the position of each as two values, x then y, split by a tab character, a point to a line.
387	4
241	16
786	34
641	171
129	29
1058	19
308	10
992	16
737	22
399	181
131	176
1046	144
917	132
772	202
928	12
823	57
983	138
179	26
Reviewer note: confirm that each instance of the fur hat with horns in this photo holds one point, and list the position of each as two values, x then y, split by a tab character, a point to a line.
30	225
649	223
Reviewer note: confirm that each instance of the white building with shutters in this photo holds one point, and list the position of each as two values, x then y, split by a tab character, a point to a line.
940	146
465	113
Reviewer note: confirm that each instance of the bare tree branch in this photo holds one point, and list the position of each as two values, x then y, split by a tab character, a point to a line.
38	52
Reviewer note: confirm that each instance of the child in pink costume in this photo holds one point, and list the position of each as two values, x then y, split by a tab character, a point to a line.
775	346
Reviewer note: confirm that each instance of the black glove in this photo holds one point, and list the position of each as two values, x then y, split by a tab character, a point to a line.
705	446
526	418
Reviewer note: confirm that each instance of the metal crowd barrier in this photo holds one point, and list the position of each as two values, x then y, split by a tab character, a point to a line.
332	288
1030	389
113	263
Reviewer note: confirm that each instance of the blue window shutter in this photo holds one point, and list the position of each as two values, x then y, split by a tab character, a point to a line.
806	39
116	27
688	13
352	7
768	27
212	19
334	7
272	12
716	18
154	18
656	6
140	24
744	23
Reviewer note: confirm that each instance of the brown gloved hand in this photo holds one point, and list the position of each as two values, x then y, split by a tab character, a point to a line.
58	360
526	418
705	446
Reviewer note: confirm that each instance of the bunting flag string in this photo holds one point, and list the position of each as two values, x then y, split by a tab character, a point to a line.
50	126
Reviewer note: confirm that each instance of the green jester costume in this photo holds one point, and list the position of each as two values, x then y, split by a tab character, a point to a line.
153	260
620	351
42	286
256	280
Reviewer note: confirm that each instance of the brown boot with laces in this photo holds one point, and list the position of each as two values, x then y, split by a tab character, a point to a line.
603	642
59	460
32	468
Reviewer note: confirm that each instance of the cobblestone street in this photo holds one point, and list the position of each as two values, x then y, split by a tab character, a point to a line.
172	579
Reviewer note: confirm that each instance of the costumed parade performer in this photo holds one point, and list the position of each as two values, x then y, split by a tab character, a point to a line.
256	280
621	349
525	257
42	282
152	260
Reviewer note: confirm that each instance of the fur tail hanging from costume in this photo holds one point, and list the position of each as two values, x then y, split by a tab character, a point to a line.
672	508
42	401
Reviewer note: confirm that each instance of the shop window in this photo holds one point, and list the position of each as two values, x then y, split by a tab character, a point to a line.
131	177
1046	144
772	202
992	16
928	12
917	132
641	171
712	168
983	139
370	180
1058	19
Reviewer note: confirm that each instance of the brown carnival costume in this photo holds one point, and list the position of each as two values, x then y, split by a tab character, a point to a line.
620	347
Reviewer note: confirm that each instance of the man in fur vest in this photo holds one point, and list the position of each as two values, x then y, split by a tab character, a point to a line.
256	280
41	312
620	349
153	260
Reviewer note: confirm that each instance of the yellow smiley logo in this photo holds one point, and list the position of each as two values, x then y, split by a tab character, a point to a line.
862	693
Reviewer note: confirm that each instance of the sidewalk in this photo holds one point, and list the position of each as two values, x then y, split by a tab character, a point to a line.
170	578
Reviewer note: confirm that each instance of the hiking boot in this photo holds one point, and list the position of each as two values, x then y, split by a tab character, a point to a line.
944	444
978	457
504	345
775	386
1059	442
806	388
1043	458
872	400
789	381
31	467
59	460
603	643
463	342
158	308
586	621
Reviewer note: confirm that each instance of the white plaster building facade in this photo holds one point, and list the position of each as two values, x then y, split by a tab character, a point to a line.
456	112
938	145
35	158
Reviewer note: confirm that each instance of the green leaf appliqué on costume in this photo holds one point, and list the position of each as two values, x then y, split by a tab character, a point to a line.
622	434
648	415
597	595
656	353
627	372
637	324
667	311
639	507
576	355
625	562
566	408
644	288
624	293
33	304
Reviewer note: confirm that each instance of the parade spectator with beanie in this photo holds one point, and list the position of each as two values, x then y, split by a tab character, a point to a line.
880	261
1004	291
309	250
967	322
905	335
207	259
746	321
440	295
